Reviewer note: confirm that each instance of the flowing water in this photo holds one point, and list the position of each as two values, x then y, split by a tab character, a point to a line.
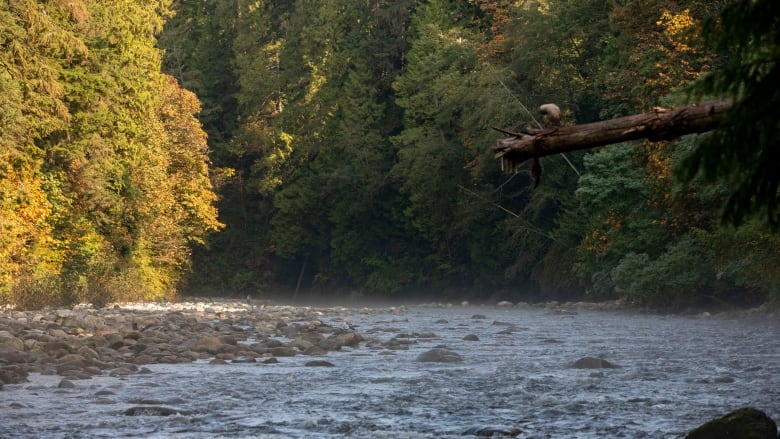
675	373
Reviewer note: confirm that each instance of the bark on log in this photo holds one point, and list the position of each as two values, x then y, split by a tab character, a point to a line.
660	124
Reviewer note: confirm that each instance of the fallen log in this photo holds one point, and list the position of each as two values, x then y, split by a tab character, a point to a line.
659	124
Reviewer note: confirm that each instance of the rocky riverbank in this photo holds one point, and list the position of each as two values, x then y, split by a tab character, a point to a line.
82	342
119	340
75	345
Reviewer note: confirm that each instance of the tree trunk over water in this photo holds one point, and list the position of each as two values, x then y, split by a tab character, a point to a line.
660	124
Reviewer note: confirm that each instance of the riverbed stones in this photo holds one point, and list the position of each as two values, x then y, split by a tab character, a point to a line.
439	355
744	423
82	342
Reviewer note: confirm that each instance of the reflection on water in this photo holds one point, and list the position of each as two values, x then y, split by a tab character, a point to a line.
675	373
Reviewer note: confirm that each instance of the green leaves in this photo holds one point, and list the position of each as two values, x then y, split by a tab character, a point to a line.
114	163
745	152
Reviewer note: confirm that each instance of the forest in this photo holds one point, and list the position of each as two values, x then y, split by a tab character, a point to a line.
232	147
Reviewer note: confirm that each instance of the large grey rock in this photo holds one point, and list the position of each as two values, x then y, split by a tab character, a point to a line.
593	363
212	345
319	363
439	355
12	374
744	423
11	343
152	411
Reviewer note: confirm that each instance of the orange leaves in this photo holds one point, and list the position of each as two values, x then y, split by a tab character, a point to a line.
599	241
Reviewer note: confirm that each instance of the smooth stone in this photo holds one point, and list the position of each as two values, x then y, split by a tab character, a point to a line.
66	384
438	355
152	411
744	423
282	351
593	363
319	363
212	345
11	343
315	351
491	432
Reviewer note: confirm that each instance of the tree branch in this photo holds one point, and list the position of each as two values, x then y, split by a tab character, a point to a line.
660	124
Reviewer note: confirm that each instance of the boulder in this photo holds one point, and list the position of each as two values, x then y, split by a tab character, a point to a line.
491	432
152	411
66	384
439	355
593	363
282	351
11	343
744	423
319	363
12	375
212	345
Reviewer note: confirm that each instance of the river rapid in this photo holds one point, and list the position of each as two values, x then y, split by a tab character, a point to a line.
516	379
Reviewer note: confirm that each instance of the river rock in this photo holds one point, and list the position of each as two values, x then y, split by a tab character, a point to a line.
592	363
301	343
319	363
12	374
744	423
439	355
471	337
337	341
11	343
212	345
152	411
491	432
282	351
15	357
66	384
123	371
315	351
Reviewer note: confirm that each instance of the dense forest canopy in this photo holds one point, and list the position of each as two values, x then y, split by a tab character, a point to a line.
349	149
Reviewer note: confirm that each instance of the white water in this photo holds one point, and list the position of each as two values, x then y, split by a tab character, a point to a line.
676	372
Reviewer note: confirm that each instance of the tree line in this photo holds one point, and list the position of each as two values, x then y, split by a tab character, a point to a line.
104	179
350	148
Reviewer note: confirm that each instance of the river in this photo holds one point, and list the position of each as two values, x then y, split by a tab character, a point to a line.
675	372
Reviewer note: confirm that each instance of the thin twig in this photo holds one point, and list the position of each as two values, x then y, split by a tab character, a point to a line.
526	224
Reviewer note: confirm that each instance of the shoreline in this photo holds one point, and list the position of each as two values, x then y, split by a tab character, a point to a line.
83	341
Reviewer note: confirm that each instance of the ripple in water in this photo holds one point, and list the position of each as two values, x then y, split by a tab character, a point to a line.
516	379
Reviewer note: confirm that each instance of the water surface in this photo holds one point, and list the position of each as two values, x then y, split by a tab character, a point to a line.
675	372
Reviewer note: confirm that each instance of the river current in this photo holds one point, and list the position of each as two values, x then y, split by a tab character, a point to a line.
675	372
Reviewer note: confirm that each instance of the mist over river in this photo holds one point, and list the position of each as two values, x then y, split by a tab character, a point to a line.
515	378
